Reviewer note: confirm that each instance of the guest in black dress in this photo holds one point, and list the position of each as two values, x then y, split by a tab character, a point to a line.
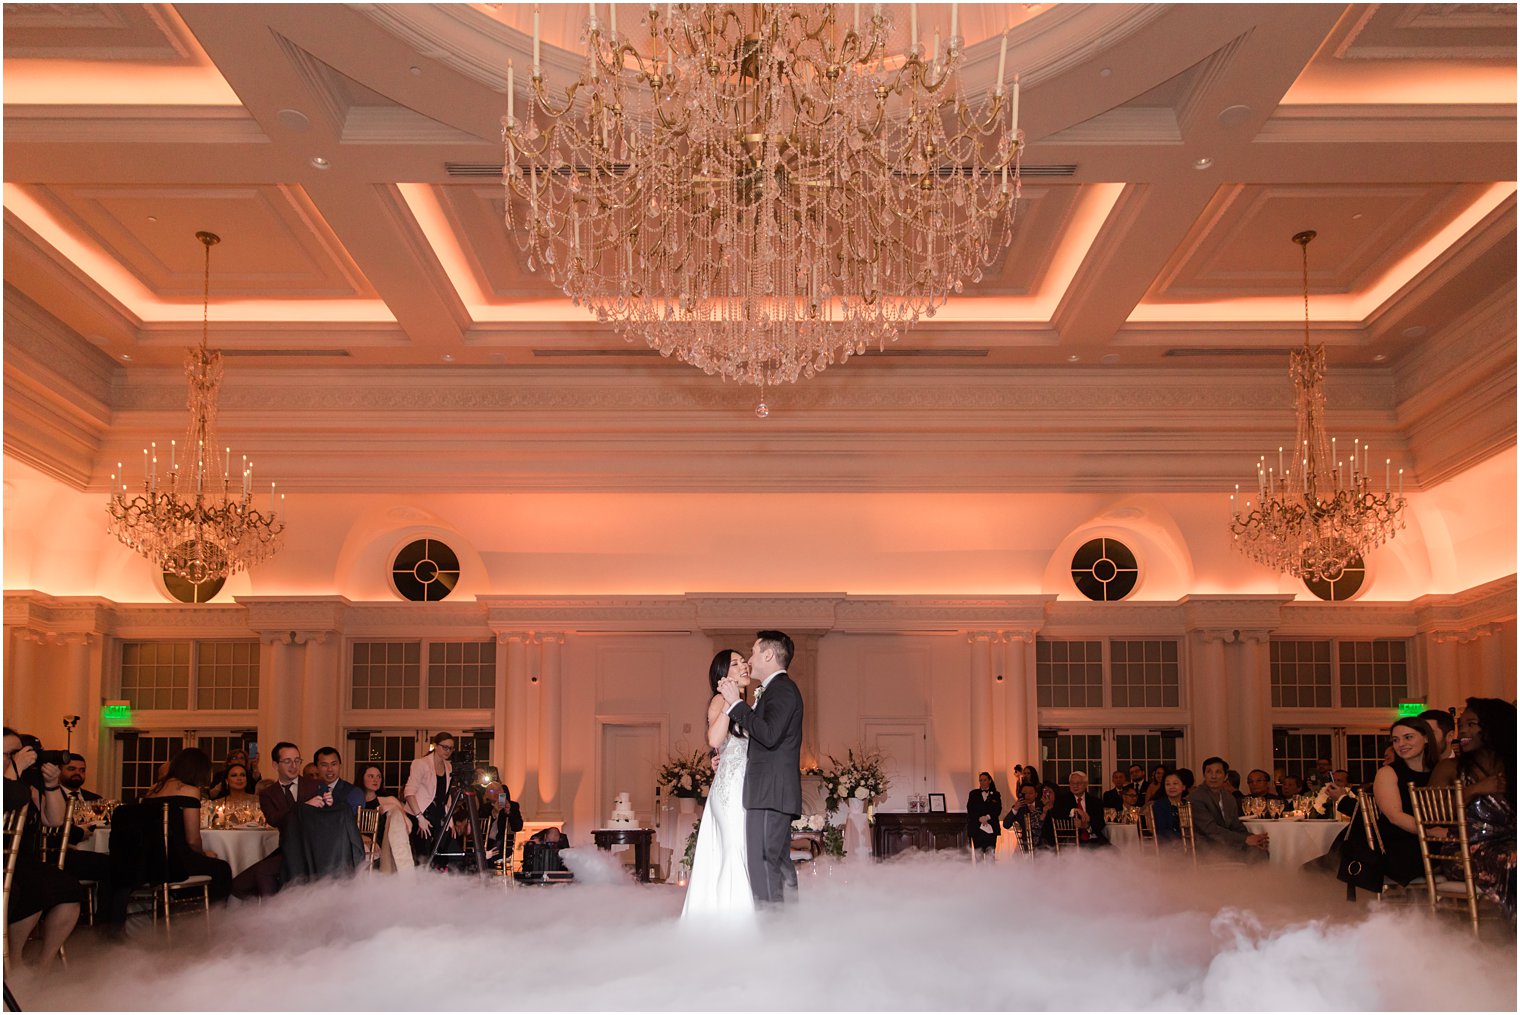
984	806
39	891
180	794
1415	757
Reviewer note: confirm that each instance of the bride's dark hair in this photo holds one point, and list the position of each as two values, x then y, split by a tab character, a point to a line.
716	672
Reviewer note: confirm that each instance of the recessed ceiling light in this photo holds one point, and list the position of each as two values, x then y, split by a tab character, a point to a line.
318	162
1357	216
292	119
1202	162
1380	357
127	357
1110	357
448	357
1233	116
1414	331
1106	72
1073	358
416	71
152	218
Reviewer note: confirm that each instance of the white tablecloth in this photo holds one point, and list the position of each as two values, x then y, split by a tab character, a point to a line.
1295	843
1125	838
240	847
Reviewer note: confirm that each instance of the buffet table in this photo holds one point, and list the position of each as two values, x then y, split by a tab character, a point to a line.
240	847
1295	843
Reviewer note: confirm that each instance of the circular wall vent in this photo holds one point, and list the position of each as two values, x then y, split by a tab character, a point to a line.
1340	587
425	571
1104	569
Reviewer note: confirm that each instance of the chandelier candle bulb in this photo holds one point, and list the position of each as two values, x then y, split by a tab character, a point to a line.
511	93
1002	62
536	63
1013	116
955	22
913	14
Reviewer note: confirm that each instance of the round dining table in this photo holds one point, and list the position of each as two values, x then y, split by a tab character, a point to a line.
240	847
1295	843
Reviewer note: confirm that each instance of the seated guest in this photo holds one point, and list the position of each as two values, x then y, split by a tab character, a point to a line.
39	891
1164	809
1233	778
1485	769
1216	816
236	756
72	779
1443	725
1086	807
504	823
1151	788
1027	803
289	790
180	794
310	771
1030	776
339	791
1259	785
1293	786
1129	799
1113	799
1414	747
1136	775
984	806
1186	775
236	787
1320	775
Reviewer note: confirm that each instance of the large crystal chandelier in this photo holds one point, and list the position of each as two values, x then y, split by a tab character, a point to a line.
1317	508
194	515
761	190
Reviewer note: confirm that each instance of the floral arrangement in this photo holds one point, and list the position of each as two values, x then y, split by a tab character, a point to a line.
688	775
689	855
858	777
832	838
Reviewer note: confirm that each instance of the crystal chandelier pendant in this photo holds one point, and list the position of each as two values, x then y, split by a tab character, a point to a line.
1318	507
761	191
195	515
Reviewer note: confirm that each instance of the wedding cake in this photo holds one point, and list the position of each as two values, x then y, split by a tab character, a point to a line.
622	813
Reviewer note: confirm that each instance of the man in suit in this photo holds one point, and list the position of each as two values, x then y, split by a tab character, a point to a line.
336	790
1114	798
773	772
1216	816
289	790
1086	806
1260	785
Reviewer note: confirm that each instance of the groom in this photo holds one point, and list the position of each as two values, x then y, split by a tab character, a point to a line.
772	776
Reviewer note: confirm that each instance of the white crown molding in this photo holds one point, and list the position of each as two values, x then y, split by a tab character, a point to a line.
1340	124
1477	610
131	125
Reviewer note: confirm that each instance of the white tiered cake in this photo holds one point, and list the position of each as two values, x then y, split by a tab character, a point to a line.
622	813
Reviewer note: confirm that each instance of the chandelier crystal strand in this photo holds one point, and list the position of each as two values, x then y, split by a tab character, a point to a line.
760	190
1316	511
198	521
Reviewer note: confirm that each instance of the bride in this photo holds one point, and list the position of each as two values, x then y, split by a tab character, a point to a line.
719	880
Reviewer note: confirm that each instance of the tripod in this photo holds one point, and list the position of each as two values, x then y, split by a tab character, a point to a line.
462	795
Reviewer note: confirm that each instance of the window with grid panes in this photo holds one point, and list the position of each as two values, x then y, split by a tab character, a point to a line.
387	674
1144	749
1069	674
461	674
227	674
1063	753
156	674
218	745
393	752
1364	753
1296	752
1300	674
1373	674
1143	674
141	756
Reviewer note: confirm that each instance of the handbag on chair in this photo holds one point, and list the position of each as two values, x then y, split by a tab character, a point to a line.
1361	864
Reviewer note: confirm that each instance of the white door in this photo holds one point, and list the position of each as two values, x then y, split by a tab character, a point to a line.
904	749
631	756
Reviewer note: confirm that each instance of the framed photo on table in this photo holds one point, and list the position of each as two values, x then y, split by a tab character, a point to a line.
937	803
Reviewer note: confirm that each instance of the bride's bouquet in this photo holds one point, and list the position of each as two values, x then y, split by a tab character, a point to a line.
687	775
858	777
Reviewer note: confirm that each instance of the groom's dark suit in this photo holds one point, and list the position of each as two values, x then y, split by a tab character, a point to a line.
772	783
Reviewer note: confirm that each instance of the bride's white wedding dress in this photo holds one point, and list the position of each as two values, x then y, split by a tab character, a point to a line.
719	880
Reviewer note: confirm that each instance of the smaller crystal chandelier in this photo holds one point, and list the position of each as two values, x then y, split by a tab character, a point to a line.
194	520
1318	510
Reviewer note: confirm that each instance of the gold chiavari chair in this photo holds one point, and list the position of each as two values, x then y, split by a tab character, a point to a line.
1066	833
1024	834
163	893
1145	828
58	850
1373	835
1443	807
368	820
15	824
1185	824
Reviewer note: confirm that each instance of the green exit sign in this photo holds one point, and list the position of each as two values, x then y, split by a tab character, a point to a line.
1411	708
116	713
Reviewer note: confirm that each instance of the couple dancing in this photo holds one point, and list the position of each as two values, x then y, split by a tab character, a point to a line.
744	847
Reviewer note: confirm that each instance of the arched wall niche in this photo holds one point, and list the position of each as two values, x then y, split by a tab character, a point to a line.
1148	529
376	535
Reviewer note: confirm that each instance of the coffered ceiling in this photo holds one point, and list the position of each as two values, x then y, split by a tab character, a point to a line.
346	154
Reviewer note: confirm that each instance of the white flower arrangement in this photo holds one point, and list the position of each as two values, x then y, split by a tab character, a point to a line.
687	775
858	777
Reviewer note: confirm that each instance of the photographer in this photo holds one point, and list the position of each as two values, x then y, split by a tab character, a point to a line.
427	789
39	891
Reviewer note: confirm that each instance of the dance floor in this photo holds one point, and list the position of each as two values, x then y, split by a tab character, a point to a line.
1075	932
